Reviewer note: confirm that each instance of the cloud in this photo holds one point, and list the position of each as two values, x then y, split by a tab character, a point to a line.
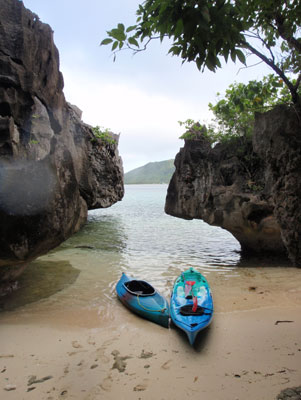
148	122
141	96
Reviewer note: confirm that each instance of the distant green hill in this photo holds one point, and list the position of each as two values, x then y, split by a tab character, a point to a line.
153	172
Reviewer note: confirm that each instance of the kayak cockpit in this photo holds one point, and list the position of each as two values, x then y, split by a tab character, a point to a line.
188	310
139	288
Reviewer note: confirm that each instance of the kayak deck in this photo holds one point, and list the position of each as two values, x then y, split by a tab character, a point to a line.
191	304
141	298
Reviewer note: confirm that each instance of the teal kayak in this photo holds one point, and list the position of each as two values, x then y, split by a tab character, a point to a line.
143	299
191	304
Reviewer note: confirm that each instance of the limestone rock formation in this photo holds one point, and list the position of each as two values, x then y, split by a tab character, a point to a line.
253	191
52	167
277	140
215	185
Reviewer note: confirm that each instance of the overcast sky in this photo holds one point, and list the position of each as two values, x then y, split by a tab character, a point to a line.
142	97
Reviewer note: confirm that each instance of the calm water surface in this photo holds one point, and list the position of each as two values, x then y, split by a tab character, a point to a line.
133	236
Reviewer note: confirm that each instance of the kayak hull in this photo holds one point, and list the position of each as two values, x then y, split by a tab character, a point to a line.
191	322
153	307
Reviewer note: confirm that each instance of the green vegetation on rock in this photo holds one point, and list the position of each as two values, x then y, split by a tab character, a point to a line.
153	172
234	114
104	134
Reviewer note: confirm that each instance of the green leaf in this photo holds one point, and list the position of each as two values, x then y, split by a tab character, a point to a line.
131	28
115	44
218	63
179	28
241	56
210	65
163	8
106	41
233	55
117	34
175	50
121	27
226	55
133	41
199	63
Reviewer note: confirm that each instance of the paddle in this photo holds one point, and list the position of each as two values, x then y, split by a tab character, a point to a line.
189	289
195	304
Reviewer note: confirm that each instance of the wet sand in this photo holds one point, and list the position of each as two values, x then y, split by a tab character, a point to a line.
252	350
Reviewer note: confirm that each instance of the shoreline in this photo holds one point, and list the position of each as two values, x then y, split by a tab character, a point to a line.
244	354
92	348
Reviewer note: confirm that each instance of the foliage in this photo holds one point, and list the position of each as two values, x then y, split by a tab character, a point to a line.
235	113
193	129
104	134
205	31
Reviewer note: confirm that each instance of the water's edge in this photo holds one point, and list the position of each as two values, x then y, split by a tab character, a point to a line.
135	236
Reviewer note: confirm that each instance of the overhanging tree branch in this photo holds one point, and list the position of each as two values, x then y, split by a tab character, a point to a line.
204	31
275	68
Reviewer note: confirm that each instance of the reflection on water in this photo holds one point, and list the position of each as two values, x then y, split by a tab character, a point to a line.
135	236
105	233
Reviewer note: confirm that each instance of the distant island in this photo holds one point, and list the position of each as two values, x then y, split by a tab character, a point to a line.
153	172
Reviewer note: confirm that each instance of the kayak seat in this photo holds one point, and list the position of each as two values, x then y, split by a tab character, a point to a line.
187	310
140	288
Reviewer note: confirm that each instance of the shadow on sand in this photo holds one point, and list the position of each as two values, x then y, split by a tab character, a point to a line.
40	280
201	342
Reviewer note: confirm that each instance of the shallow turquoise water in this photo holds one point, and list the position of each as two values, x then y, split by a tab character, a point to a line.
147	239
133	236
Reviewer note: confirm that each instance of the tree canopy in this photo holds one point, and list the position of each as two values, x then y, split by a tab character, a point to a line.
234	112
207	31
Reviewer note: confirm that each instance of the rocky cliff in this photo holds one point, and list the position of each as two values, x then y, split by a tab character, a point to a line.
251	189
277	140
52	167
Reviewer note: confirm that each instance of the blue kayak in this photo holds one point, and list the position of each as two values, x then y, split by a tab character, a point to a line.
143	299
191	304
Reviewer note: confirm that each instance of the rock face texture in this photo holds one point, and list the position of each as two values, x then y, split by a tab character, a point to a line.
52	167
249	189
277	140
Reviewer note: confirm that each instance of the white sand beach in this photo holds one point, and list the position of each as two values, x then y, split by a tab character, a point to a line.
252	350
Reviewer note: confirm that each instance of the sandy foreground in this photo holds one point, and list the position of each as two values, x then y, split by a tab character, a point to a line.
247	353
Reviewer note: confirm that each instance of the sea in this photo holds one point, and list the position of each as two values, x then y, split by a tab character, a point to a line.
134	236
